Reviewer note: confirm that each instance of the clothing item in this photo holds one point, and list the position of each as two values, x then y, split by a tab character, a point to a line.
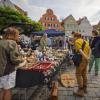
81	73
8	56
94	41
81	70
49	42
97	63
35	44
85	89
79	92
78	45
43	43
8	81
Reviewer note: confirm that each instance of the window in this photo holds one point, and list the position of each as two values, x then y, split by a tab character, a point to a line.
56	25
48	25
43	24
46	18
77	30
74	26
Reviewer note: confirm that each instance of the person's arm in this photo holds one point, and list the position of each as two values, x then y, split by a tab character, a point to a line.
14	53
83	54
70	42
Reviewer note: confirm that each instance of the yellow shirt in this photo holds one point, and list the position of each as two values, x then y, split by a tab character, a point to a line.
78	45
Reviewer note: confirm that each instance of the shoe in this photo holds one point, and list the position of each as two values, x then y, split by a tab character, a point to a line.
96	74
79	92
89	71
85	89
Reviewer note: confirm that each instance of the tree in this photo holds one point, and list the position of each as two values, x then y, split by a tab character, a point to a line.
8	15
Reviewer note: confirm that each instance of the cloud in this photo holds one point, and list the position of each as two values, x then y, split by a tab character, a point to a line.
62	8
94	18
33	11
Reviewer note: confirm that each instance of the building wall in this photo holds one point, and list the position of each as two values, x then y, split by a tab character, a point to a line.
50	21
70	25
21	10
97	26
8	3
85	27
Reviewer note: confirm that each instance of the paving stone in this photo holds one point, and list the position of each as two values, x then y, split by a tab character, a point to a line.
64	93
95	82
62	98
70	98
96	98
90	85
62	88
88	98
96	85
93	85
79	98
70	93
60	92
91	94
98	94
71	89
92	89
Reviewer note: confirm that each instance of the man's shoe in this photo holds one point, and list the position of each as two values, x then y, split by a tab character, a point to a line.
96	74
89	71
79	92
85	89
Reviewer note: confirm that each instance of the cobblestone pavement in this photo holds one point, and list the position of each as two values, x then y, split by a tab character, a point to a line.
42	93
93	88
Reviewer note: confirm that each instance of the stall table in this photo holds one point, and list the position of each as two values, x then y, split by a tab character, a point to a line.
34	75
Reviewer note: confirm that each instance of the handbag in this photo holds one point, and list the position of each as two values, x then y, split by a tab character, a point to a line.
77	57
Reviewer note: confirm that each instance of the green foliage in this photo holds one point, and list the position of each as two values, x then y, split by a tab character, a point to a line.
37	26
8	15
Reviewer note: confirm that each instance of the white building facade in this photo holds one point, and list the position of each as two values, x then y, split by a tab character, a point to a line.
70	25
85	28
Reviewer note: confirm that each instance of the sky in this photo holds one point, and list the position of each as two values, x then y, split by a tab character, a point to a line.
62	8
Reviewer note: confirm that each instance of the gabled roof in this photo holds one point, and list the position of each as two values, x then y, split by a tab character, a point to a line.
20	10
99	23
67	18
96	26
80	20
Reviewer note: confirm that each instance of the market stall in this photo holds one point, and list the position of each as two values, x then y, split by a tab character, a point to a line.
55	38
50	33
40	73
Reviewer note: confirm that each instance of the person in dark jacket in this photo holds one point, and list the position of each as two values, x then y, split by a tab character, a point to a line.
95	56
9	59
